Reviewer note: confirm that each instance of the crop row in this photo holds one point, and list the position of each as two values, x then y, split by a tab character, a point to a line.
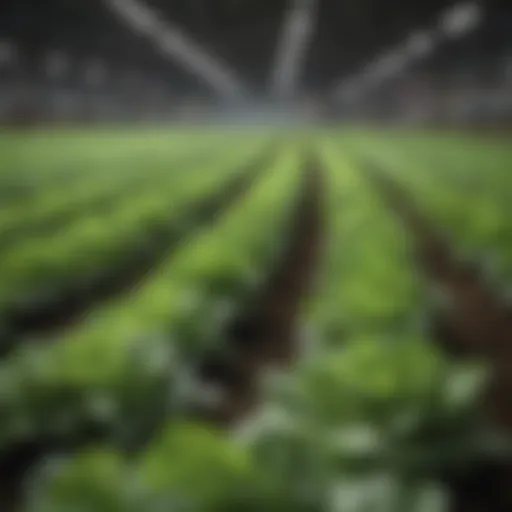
464	186
31	165
50	210
107	249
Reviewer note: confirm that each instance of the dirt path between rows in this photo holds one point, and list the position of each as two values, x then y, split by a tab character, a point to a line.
267	336
476	324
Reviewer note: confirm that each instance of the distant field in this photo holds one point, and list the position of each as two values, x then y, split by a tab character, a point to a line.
127	257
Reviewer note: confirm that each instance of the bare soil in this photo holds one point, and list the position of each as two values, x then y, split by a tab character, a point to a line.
267	336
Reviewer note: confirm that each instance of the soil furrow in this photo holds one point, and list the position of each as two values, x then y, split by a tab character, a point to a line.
266	335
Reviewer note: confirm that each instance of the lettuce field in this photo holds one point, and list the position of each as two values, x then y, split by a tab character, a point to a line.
255	321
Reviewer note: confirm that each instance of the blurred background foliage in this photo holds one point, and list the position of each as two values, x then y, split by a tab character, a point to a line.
372	426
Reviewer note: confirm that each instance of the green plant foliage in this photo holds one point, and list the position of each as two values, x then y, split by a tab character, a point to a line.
372	418
366	428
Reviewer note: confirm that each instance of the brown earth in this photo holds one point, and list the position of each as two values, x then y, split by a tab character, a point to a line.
268	336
